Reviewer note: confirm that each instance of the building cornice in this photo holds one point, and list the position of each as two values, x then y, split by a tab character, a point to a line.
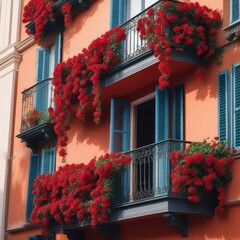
9	57
25	44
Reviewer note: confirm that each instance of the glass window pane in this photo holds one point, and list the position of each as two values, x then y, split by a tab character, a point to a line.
149	3
118	116
135	7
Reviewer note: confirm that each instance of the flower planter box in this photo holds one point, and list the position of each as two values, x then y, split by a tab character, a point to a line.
37	134
58	23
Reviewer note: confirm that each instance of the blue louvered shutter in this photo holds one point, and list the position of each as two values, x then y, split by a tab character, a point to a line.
161	133
37	237
236	105
48	161
33	173
235	10
223	105
162	114
120	138
178	102
42	88
118	12
58	49
120	126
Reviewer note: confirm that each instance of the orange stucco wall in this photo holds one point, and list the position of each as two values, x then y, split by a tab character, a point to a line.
20	155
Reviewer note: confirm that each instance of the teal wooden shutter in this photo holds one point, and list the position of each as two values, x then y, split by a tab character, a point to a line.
43	62
119	126
33	173
120	138
41	237
38	237
236	105
162	114
58	49
48	161
178	102
235	10
118	12
223	105
160	167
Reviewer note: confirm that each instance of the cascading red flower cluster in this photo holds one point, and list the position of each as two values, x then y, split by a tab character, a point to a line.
73	78
184	24
66	11
202	168
77	191
41	12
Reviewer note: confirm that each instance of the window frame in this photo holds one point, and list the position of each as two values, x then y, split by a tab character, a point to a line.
33	173
231	12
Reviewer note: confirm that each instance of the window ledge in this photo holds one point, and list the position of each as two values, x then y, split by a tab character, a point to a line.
23	227
232	31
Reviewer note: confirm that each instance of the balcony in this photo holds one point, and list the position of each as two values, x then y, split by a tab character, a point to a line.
58	23
145	190
35	121
135	55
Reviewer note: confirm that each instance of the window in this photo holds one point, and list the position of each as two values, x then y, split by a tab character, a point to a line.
150	124
41	237
43	162
229	106
234	11
47	58
122	10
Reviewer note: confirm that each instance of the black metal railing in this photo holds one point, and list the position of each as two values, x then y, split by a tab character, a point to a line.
36	98
133	47
148	175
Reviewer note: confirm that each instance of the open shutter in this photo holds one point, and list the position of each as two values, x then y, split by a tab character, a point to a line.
37	237
120	126
223	105
58	49
33	173
162	114
161	133
48	161
120	138
118	12
178	101
236	105
43	56
235	10
43	61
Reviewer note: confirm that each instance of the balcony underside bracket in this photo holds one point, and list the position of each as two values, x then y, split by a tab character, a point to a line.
178	221
110	230
74	235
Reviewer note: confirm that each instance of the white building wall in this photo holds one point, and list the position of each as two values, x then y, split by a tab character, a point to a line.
9	61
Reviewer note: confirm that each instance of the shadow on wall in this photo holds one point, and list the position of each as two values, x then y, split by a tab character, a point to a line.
87	132
206	88
75	28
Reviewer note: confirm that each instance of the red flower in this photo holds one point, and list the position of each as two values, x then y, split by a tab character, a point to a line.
194	198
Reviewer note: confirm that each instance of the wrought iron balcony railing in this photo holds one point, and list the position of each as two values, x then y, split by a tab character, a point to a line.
35	103
148	175
133	47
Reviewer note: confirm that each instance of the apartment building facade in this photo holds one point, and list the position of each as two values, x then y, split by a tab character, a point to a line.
146	103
